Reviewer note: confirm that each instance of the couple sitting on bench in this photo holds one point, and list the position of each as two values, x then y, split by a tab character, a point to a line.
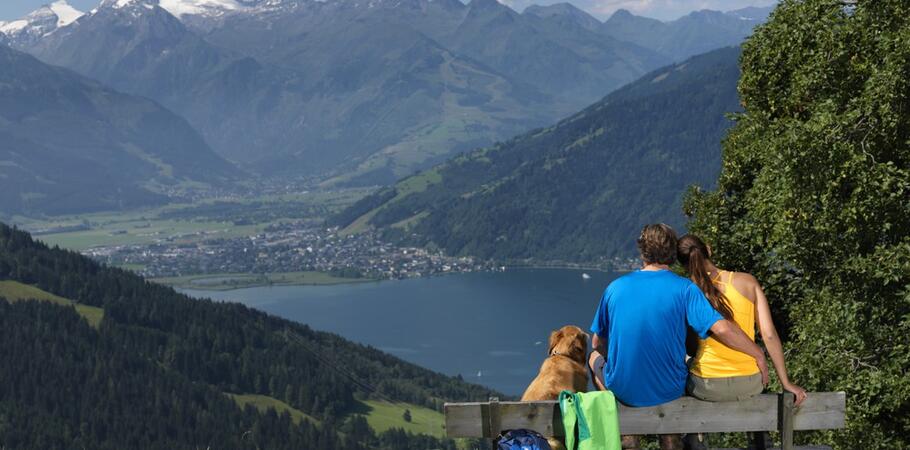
640	327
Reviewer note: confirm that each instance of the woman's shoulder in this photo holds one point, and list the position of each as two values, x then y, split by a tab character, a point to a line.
745	283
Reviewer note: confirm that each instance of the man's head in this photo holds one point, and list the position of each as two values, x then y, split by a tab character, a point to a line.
657	244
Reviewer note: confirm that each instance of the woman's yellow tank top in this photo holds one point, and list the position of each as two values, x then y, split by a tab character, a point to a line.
716	360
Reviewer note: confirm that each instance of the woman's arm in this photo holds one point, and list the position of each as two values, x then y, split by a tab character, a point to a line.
772	342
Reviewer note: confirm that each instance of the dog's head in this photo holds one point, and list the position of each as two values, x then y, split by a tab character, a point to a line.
569	341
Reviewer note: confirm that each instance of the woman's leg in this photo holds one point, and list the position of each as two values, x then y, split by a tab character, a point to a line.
727	389
719	390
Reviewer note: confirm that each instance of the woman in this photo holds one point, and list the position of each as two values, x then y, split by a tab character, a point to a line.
718	373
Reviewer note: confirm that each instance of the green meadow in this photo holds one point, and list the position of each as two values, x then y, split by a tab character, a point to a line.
263	403
229	281
15	291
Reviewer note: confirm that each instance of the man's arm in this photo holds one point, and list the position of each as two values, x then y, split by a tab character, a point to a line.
729	334
598	347
599	344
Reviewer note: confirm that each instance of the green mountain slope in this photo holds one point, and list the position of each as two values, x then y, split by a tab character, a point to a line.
14	291
579	190
69	144
157	371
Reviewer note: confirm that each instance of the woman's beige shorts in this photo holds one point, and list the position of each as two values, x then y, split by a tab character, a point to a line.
724	389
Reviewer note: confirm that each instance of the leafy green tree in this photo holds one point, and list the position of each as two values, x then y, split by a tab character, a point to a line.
814	199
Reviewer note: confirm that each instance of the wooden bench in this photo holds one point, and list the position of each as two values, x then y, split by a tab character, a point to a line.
766	412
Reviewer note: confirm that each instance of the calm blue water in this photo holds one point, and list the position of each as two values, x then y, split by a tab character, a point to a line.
491	328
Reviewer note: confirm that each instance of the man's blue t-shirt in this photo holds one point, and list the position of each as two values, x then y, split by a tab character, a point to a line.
643	317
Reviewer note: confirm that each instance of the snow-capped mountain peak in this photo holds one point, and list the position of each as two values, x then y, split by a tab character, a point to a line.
211	8
41	21
13	27
121	4
65	13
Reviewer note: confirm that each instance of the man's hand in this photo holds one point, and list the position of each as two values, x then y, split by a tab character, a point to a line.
763	368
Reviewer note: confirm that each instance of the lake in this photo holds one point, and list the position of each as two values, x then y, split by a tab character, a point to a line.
491	328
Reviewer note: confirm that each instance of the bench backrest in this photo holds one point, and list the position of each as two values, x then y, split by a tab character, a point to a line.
766	412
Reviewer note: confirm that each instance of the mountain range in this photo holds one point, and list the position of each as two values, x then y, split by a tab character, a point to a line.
359	91
695	33
69	144
578	190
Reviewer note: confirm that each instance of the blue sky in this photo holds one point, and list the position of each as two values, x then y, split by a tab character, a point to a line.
660	9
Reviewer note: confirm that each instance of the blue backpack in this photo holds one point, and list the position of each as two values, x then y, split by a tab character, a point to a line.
521	440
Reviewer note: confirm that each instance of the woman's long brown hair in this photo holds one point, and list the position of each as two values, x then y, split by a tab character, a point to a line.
693	254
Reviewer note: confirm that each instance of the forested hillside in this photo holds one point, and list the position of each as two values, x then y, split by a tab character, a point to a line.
157	370
579	190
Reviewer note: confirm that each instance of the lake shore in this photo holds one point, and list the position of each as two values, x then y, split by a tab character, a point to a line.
632	265
232	281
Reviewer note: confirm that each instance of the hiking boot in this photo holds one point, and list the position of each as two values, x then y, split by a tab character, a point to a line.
760	440
694	441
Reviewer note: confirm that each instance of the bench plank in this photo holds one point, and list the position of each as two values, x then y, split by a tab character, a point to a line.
822	410
695	416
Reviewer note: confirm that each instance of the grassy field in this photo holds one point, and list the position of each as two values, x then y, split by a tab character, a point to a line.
379	414
130	232
263	403
132	267
16	291
383	415
193	220
411	185
228	281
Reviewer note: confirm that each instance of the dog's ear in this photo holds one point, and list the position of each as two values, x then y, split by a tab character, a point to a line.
580	347
555	337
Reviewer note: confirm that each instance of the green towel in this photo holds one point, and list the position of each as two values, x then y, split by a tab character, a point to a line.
591	420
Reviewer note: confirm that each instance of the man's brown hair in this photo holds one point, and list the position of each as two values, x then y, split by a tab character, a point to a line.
657	244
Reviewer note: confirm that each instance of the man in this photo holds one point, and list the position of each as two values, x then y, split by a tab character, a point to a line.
640	331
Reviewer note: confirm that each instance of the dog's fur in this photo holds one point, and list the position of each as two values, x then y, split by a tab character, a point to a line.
564	369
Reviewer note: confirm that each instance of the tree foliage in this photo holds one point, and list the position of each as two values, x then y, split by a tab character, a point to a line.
814	199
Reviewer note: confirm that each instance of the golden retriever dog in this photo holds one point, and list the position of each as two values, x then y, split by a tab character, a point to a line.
564	369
